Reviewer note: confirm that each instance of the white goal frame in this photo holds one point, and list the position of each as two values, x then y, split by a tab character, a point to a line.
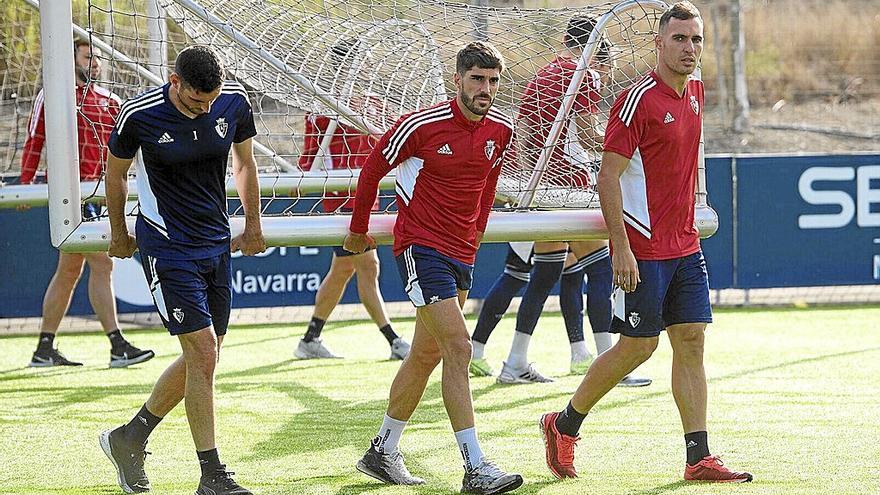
70	233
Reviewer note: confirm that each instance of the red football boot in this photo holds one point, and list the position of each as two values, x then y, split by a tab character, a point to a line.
711	468
559	447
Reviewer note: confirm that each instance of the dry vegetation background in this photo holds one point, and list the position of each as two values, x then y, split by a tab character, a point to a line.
810	64
812	68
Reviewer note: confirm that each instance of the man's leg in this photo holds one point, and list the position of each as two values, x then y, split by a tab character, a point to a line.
560	429
689	375
690	392
516	274
366	267
445	322
200	355
549	260
101	290
56	301
122	353
571	303
328	296
383	460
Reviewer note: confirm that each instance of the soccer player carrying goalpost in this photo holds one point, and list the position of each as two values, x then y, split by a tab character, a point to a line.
646	187
184	130
448	159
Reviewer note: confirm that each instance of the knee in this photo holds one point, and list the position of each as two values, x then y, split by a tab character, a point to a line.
690	344
101	266
458	349
426	360
341	272
69	272
201	356
640	348
368	269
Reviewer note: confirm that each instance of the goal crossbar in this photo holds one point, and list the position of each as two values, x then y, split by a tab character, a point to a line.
330	230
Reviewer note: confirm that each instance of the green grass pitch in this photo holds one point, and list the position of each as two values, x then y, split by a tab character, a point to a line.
793	397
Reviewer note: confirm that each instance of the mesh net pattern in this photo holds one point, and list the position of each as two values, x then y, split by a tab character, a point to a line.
333	75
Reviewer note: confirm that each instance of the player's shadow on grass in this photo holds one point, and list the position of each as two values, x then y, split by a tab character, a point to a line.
28	373
57	398
669	487
614	404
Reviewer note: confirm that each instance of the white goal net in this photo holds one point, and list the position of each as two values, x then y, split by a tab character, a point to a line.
325	78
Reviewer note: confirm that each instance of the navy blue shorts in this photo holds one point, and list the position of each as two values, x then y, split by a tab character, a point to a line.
429	276
340	252
91	211
671	292
191	294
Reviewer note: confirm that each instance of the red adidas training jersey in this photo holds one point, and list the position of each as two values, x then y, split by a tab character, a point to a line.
540	104
98	108
348	150
659	131
447	170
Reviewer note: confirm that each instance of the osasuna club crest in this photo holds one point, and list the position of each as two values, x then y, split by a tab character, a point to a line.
177	312
695	105
221	127
634	319
490	149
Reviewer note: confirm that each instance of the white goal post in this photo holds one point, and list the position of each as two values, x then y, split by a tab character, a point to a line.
291	68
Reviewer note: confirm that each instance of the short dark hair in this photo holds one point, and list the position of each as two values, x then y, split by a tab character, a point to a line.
577	34
681	11
200	68
77	43
478	54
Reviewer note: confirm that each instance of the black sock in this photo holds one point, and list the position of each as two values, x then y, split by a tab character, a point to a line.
117	341
389	334
696	446
314	330
569	421
46	340
141	425
209	460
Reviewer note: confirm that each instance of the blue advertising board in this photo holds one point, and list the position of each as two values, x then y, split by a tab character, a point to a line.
718	248
783	222
807	221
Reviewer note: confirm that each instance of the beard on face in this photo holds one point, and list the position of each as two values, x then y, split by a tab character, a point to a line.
472	106
83	74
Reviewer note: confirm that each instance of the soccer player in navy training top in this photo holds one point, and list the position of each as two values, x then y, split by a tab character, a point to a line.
448	159
646	186
184	131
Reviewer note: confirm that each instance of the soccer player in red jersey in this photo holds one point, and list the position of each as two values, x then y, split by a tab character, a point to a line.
570	163
647	183
98	108
347	149
448	159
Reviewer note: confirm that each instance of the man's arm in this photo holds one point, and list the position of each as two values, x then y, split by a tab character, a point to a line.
244	170
588	136
374	169
625	268
122	243
33	144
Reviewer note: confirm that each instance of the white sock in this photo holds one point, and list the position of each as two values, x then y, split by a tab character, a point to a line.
387	441
479	348
469	448
579	351
519	350
603	342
